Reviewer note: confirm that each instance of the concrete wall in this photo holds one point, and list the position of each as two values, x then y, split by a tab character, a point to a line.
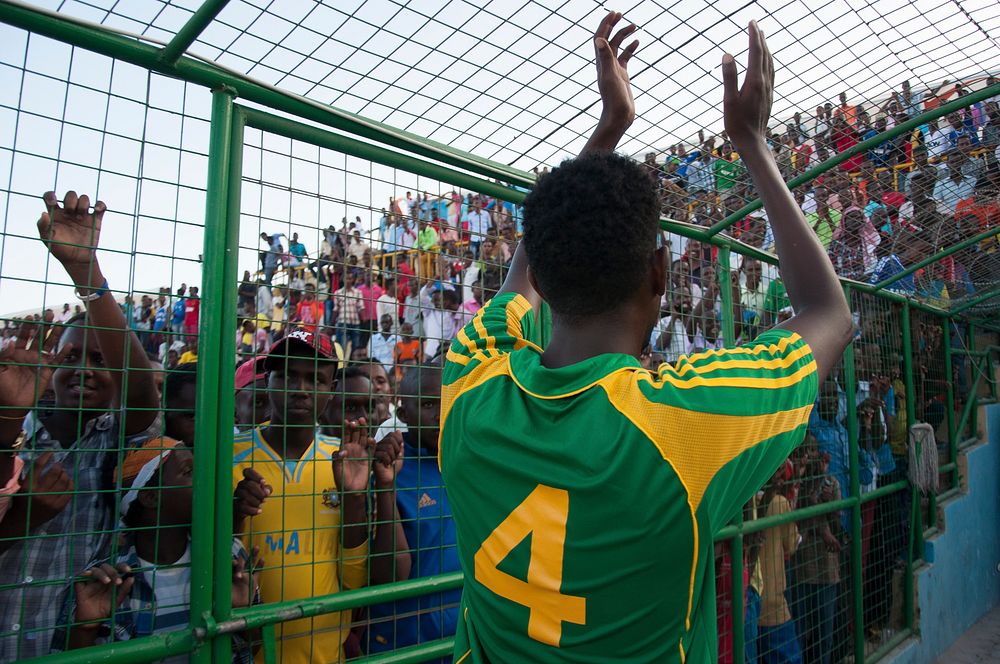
963	582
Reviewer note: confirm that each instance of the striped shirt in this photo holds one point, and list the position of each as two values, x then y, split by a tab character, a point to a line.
348	303
35	571
160	601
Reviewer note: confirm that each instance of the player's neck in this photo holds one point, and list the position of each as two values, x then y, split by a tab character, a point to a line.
576	341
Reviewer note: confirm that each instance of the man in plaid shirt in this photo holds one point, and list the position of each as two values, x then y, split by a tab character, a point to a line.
348	305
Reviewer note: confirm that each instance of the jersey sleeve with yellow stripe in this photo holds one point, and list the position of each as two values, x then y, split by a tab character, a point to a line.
724	419
504	324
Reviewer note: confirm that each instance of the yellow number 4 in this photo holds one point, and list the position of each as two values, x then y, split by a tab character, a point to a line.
542	515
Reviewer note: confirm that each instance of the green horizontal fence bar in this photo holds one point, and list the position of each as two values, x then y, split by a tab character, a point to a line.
413	654
988	295
264	614
323	138
189	32
101	39
864	146
147	649
944	253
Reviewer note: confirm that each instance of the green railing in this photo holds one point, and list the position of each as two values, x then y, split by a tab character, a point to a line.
212	618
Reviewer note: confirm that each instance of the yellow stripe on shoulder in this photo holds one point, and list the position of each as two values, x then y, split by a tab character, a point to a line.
669	376
737	362
516	310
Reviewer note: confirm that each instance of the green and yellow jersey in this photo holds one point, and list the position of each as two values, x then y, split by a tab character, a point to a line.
586	497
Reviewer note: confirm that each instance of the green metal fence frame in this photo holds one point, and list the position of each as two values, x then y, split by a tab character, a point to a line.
212	618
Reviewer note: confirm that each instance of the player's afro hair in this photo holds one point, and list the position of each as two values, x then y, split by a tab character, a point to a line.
589	229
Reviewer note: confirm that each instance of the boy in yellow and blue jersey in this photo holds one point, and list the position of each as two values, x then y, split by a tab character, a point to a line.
586	490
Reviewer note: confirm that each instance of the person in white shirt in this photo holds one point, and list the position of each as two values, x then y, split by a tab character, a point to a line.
937	140
358	247
440	322
672	334
265	301
388	305
383	343
752	297
66	314
479	222
954	188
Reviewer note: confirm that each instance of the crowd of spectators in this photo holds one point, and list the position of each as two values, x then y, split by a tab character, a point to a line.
879	211
335	480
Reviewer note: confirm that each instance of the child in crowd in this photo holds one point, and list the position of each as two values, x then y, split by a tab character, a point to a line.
777	642
408	350
817	560
147	591
70	449
427	542
253	407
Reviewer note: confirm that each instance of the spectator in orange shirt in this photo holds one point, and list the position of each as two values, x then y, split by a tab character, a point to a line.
309	312
846	112
408	351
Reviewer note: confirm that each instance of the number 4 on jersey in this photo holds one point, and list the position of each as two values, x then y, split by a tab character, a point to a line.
542	515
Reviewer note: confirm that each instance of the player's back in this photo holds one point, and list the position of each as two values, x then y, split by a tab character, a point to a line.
585	497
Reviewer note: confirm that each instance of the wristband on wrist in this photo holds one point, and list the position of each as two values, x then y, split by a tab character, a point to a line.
95	294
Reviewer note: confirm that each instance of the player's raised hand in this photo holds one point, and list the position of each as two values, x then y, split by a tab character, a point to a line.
747	109
612	69
618	109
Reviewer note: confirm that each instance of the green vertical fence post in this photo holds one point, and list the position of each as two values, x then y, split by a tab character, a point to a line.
915	529
726	294
213	328
973	396
949	413
222	645
736	543
850	387
736	555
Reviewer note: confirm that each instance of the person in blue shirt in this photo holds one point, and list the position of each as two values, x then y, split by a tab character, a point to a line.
961	126
177	320
832	438
297	250
425	515
880	155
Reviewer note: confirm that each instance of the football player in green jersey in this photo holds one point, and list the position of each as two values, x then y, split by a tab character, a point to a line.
586	490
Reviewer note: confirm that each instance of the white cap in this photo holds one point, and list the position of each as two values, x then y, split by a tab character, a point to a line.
145	474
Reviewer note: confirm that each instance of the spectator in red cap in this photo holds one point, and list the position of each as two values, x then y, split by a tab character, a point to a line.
301	496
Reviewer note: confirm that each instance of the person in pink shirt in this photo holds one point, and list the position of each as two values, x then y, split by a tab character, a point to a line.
473	304
370	293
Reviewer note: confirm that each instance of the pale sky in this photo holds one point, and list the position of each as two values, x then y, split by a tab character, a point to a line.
508	82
